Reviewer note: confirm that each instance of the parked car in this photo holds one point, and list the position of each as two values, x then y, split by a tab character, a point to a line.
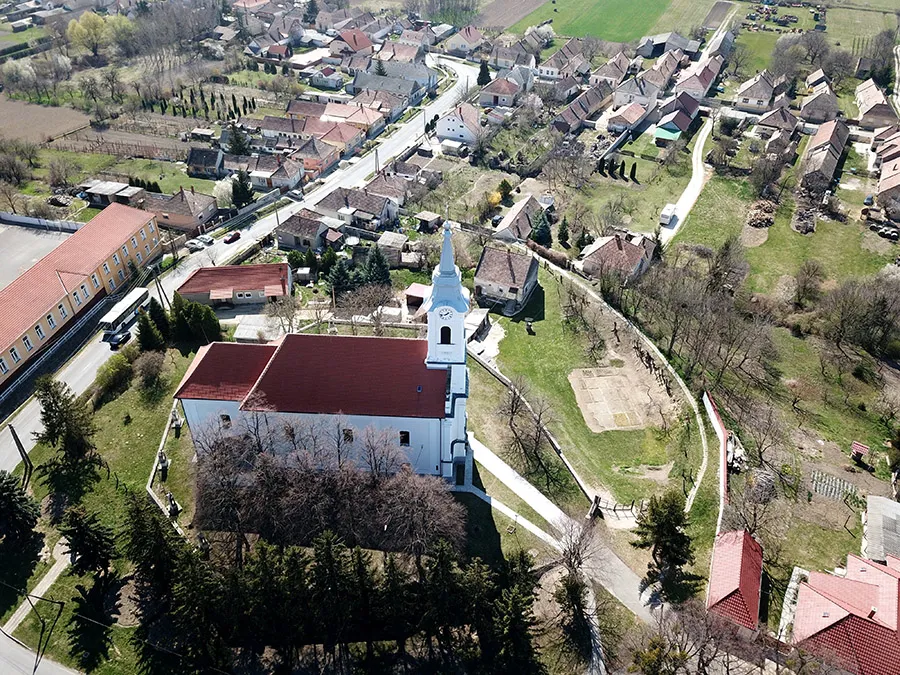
193	245
233	237
205	239
119	339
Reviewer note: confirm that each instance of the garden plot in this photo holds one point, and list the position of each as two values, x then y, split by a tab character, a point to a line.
617	396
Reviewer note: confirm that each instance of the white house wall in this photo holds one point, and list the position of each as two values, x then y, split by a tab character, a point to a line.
423	452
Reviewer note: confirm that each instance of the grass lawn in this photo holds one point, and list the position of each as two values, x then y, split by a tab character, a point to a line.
86	214
170	176
845	24
8	38
545	360
681	15
617	20
129	431
761	45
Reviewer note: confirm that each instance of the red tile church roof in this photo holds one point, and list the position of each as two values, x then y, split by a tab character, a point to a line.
735	577
321	374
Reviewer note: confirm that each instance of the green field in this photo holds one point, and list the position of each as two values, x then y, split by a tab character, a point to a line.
617	20
846	24
681	15
8	38
171	177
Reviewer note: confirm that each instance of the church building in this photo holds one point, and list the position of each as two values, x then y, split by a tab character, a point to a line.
415	388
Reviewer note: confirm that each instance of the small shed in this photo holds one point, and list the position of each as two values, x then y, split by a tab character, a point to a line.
429	221
415	295
392	245
881	529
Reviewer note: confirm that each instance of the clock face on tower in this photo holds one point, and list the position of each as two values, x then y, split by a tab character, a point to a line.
445	313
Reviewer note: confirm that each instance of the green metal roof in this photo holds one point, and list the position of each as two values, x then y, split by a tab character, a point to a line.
667	135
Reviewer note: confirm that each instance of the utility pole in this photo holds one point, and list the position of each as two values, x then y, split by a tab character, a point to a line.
26	460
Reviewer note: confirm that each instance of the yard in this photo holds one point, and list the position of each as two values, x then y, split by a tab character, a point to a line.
615	20
129	430
8	38
171	176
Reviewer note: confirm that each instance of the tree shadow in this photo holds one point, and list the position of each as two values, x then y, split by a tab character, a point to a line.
90	628
17	563
68	481
153	393
682	587
153	640
482	537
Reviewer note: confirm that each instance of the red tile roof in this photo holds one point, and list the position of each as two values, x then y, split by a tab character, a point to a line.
735	577
330	374
224	371
355	39
852	621
238	277
26	300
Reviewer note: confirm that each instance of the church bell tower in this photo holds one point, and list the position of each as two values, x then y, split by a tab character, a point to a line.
446	308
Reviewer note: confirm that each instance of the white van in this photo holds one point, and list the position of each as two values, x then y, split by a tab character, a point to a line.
667	216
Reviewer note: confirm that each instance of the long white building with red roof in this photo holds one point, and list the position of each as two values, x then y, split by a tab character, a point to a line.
414	389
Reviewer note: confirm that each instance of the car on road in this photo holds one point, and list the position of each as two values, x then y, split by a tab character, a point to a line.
205	239
296	195
119	339
233	237
193	245
667	216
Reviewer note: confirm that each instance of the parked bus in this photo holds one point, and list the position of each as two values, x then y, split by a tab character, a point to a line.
116	319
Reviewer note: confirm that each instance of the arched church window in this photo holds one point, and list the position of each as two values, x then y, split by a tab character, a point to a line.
446	335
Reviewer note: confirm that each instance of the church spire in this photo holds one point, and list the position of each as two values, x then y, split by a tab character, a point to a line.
447	289
447	265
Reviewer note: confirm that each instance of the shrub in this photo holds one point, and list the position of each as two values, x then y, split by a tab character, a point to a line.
149	367
113	376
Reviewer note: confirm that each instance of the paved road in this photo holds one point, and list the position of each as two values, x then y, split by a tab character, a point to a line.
81	370
692	192
17	660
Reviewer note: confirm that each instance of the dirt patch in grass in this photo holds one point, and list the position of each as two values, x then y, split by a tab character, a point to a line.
659	473
126	603
872	242
751	237
43	122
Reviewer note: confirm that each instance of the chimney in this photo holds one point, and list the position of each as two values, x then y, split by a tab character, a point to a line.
618	241
872	612
192	189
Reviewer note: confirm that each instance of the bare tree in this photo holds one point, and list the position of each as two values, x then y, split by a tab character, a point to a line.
816	45
740	57
382	456
286	312
808	282
840	65
529	446
513	404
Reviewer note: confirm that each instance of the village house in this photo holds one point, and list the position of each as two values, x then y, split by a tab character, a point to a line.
503	57
654	46
414	389
505	279
370	121
274	171
425	77
50	296
626	118
874	109
186	210
755	95
735	581
351	42
326	78
391	106
821	105
662	72
699	78
568	60
468	40
204	162
302	231
394	51
823	154
613	71
670	127
622	253
358	208
780	118
636	90
721	45
520	220
423	38
411	90
316	156
237	284
588	103
299	109
816	78
499	92
462	124
396	188
683	102
850	618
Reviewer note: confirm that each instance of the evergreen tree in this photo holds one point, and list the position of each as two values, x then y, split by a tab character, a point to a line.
376	270
331	580
296	260
329	258
339	277
242	190
310	12
484	75
379	68
19	511
661	528
151	544
234	102
67	423
395	602
199	614
285	70
442	596
160	319
601	167
514	629
149	337
203	323
481	591
622	169
562	234
505	189
181	331
363	598
311	261
633	173
541	232
90	542
237	141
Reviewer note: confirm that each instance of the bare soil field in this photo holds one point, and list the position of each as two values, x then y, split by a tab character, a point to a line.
124	144
717	14
36	122
504	13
